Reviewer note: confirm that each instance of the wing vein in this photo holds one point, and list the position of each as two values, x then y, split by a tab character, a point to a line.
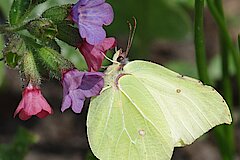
144	116
105	127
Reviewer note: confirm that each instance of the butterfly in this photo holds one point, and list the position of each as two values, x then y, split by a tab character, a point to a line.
145	110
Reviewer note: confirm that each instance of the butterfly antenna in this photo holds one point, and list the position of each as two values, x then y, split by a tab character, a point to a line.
131	34
109	58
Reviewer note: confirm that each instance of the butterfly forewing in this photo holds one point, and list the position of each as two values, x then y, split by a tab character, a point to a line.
123	127
190	107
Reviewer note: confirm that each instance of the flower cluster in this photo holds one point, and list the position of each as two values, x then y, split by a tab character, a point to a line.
89	16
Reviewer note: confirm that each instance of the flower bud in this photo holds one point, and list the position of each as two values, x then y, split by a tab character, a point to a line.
42	29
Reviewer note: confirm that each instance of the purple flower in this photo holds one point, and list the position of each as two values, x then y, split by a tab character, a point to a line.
90	16
77	86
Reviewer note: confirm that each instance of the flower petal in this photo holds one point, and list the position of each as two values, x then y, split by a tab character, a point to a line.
42	114
32	103
94	54
92	84
67	102
90	16
77	101
19	108
94	34
72	79
24	116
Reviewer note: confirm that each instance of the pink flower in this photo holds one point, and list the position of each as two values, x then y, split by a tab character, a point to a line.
33	103
94	54
90	16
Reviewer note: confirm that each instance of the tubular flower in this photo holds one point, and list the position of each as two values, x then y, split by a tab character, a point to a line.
90	16
94	54
77	86
33	103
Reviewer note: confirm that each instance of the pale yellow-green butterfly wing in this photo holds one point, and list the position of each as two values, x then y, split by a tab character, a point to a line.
190	108
126	128
145	110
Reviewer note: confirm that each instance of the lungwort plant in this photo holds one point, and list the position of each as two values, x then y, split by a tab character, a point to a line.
139	109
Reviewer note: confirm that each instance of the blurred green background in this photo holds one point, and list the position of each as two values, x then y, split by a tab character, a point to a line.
164	35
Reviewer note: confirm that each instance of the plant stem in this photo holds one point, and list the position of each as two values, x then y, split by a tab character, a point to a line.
228	148
228	41
200	43
5	28
239	43
201	60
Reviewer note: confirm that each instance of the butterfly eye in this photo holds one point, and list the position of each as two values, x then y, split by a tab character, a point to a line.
120	58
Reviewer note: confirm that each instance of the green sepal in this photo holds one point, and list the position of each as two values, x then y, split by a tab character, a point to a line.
68	34
54	62
43	29
57	13
12	59
14	51
30	68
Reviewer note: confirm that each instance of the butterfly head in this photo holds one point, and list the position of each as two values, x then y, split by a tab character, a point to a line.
120	56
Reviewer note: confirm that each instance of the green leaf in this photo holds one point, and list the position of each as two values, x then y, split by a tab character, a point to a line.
57	13
73	55
68	34
5	6
156	19
188	3
19	11
54	45
36	2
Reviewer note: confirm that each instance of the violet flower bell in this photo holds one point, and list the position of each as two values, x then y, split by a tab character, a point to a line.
90	16
94	54
77	86
33	103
